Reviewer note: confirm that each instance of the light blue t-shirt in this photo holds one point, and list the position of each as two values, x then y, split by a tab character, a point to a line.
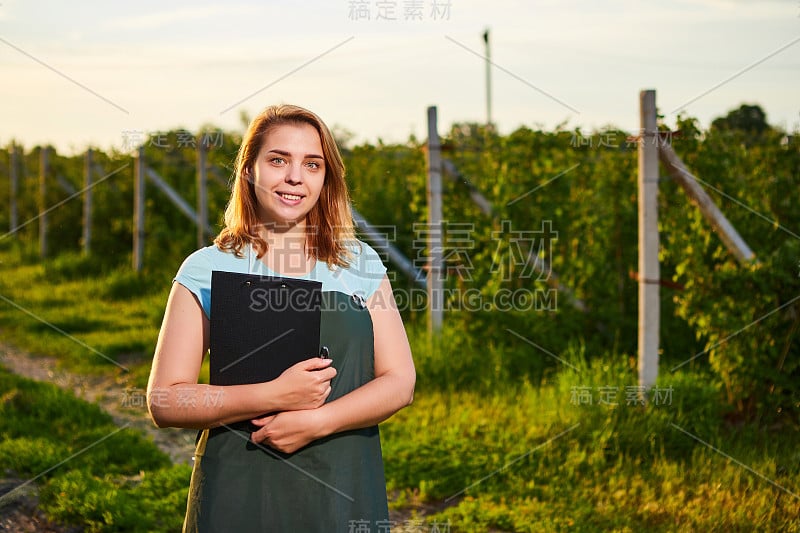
362	278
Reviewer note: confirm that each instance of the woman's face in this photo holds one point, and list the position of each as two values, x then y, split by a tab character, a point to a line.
288	174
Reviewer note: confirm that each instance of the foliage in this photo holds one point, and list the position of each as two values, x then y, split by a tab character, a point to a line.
749	120
746	316
565	197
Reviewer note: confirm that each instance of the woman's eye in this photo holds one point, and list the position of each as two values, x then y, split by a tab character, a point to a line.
277	160
313	164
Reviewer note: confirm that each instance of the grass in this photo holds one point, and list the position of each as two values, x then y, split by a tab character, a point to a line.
482	449
530	459
94	319
90	472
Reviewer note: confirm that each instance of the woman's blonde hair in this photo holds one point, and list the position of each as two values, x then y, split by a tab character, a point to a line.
329	223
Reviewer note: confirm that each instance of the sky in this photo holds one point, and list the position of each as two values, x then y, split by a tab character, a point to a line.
94	73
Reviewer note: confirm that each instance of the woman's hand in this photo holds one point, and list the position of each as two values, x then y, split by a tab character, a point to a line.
288	431
306	385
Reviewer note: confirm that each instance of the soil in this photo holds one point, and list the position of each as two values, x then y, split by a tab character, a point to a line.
21	513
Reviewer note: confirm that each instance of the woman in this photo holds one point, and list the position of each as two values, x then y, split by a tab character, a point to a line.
314	463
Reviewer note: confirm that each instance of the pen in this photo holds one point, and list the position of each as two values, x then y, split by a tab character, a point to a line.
324	353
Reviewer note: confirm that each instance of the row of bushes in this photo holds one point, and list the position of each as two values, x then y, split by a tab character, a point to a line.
556	195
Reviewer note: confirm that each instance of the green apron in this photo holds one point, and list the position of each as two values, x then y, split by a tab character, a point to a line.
335	484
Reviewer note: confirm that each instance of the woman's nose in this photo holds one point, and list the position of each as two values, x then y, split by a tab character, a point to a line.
294	174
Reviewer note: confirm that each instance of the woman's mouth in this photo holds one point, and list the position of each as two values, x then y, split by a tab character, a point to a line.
289	197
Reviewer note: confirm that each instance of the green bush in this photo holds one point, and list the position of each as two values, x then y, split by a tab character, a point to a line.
745	316
578	199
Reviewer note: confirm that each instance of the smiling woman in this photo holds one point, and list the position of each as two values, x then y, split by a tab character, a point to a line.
313	463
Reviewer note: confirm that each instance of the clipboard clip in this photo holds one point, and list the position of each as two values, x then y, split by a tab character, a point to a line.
324	353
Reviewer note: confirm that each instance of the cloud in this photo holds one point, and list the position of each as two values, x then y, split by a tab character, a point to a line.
160	19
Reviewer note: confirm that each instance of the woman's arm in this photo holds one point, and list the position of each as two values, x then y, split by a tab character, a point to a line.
391	390
175	399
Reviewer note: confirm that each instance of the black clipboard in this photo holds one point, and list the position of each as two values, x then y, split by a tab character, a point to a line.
260	326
